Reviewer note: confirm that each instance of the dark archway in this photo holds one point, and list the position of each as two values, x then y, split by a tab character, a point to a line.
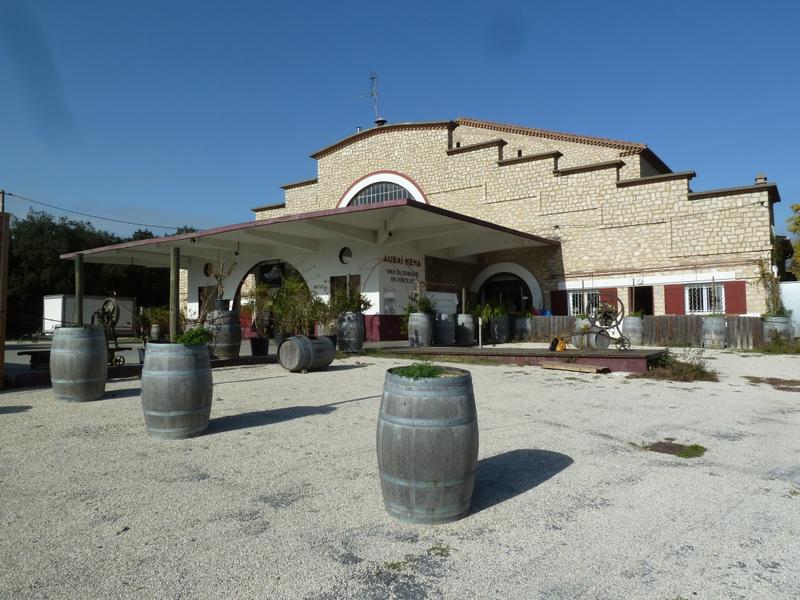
507	289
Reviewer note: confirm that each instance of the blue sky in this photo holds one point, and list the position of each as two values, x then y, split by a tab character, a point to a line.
192	113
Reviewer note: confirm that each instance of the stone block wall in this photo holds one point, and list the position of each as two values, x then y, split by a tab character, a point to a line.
607	227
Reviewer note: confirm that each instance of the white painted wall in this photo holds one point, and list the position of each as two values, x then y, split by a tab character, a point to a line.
386	283
58	309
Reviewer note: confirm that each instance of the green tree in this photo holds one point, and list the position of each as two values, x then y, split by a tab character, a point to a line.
36	269
794	228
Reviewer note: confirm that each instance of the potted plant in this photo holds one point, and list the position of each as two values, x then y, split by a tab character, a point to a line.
417	320
177	386
582	327
258	301
495	316
427	434
325	316
158	319
293	309
777	318
465	325
522	325
350	307
222	322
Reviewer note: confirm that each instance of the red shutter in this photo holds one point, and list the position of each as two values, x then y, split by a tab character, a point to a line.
735	297
558	302
608	295
674	300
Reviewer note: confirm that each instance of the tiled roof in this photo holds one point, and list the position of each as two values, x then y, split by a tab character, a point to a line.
634	147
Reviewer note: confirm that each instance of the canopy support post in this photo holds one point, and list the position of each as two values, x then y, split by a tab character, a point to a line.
174	285
77	316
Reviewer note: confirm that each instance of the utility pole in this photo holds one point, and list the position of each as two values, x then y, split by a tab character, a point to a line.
5	233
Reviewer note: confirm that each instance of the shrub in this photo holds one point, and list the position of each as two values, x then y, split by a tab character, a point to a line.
195	337
420	370
691	366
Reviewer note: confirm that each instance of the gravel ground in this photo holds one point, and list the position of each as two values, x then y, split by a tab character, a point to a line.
280	499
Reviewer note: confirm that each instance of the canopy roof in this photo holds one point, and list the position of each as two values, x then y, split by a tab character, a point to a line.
430	230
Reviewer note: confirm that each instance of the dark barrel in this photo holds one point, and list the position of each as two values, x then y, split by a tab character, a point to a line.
522	328
78	363
632	328
224	326
350	331
176	390
419	329
445	330
599	339
465	330
300	353
499	328
427	446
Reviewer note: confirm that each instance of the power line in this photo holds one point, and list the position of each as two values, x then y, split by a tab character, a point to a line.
67	210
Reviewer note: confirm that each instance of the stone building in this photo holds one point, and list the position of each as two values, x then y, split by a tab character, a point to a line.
540	221
625	222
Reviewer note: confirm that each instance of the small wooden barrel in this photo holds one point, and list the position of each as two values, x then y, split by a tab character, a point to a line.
427	446
350	331
599	339
419	329
78	363
300	353
465	330
632	329
581	340
176	390
522	328
224	326
445	330
714	332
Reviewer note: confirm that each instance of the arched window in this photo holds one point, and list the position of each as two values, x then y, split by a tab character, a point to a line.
381	192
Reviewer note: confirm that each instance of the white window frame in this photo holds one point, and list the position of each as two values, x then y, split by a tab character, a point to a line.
580	302
700	294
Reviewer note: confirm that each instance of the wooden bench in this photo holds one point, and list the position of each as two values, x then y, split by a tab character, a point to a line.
39	358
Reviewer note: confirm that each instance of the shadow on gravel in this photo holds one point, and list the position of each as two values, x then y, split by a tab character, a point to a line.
216	383
8	410
343	368
510	474
123	393
265	417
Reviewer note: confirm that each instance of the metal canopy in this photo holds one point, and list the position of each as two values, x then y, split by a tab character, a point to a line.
430	230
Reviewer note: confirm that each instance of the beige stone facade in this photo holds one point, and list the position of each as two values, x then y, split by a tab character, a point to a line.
617	210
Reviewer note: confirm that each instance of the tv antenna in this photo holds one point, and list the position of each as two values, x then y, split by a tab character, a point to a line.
373	94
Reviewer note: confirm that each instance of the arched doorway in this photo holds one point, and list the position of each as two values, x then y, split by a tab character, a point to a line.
508	290
508	283
268	272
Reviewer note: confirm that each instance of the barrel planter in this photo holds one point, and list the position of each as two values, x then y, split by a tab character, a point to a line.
775	327
713	332
259	346
78	363
427	446
465	330
300	353
582	337
522	328
350	331
155	331
445	330
498	326
176	390
419	329
632	329
224	326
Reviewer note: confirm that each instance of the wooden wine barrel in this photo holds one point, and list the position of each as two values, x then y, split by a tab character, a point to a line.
522	328
499	327
599	339
78	363
176	390
350	331
224	326
445	330
419	329
427	446
300	353
465	330
632	329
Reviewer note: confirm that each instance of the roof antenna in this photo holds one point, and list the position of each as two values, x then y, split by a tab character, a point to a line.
373	93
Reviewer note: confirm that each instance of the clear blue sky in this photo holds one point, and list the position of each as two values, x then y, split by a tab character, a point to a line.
194	112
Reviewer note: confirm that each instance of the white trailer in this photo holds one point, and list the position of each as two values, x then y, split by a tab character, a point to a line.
59	309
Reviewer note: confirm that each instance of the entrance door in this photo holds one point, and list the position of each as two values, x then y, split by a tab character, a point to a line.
507	289
641	299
